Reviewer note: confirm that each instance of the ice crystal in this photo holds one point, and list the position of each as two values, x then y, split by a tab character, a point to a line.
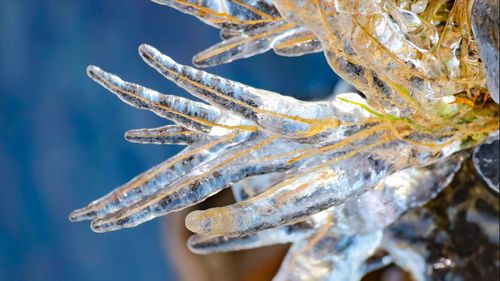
330	176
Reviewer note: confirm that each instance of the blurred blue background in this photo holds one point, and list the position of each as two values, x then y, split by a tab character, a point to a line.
61	135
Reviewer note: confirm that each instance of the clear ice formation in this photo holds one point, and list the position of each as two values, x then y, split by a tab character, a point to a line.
330	177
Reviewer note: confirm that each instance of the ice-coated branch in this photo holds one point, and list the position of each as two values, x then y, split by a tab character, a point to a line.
153	180
329	177
247	28
245	132
324	184
227	14
170	134
216	244
398	193
186	113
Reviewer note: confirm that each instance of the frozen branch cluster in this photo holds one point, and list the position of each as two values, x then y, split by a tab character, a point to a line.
327	176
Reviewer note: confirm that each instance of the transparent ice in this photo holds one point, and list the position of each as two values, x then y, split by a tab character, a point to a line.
320	175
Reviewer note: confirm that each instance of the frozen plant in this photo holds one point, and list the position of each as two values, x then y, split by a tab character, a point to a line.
336	172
